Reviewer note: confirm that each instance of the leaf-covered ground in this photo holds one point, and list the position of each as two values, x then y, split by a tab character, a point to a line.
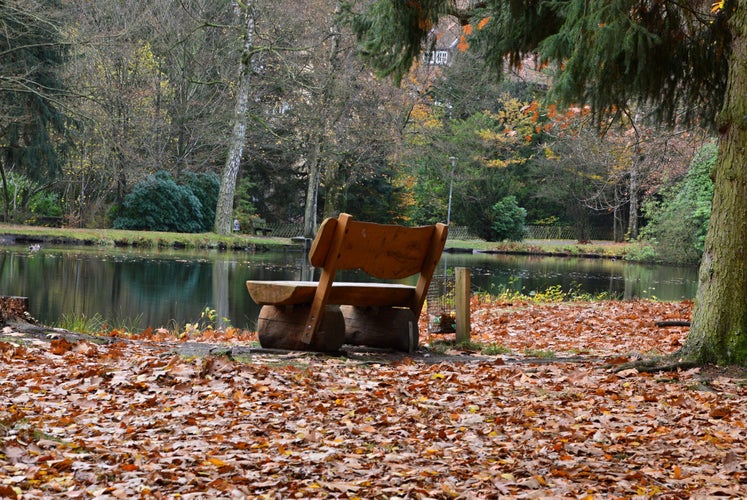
135	420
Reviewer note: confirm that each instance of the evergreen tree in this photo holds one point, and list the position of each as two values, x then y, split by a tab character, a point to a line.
31	56
683	59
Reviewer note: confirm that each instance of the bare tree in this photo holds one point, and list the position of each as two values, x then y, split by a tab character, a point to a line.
224	210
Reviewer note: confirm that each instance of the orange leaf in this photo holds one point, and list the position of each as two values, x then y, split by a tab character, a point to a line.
483	22
463	45
467	28
677	472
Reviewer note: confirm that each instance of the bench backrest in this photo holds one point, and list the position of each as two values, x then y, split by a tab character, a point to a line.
384	251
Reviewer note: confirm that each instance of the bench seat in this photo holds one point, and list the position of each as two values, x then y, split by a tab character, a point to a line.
285	293
295	314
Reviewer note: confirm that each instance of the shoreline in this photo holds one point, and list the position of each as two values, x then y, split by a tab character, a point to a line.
39	235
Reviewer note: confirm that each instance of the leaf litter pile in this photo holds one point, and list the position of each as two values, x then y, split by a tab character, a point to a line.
132	419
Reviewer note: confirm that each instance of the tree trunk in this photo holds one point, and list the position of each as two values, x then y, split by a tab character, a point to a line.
6	194
632	232
224	209
312	191
318	136
719	323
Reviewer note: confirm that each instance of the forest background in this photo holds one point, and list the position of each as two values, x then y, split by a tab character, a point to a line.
114	116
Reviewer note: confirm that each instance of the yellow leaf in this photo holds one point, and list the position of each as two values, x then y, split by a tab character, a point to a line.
437	376
216	461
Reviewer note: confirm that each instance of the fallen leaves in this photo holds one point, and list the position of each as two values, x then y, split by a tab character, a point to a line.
597	328
131	419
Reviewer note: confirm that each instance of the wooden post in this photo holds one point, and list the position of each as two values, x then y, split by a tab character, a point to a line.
461	304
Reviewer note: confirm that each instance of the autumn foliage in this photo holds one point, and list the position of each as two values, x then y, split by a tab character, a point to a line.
132	419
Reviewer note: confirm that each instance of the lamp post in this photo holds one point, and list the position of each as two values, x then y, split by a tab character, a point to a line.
451	186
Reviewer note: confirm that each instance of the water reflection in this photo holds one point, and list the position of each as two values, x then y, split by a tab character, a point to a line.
169	287
618	278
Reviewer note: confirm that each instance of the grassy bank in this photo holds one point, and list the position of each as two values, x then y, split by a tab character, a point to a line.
152	239
141	239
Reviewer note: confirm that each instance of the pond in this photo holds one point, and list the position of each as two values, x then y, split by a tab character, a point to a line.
139	288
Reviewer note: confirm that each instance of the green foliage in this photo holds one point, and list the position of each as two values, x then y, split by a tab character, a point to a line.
158	203
205	187
508	220
552	294
539	353
376	199
82	323
46	204
244	205
32	122
491	148
666	54
641	252
390	36
678	223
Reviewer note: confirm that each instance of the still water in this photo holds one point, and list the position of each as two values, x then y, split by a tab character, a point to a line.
170	287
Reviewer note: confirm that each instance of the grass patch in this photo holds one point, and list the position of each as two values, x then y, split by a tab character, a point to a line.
97	324
496	350
82	323
140	239
539	353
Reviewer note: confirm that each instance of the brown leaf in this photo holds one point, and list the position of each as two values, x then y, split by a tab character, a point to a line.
60	346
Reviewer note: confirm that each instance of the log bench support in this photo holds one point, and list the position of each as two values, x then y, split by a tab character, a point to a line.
321	316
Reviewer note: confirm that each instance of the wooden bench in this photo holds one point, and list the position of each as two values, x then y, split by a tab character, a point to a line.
321	316
259	227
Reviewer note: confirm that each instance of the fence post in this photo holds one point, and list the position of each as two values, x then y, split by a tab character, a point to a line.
461	304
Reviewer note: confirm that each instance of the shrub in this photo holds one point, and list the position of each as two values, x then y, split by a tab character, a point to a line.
46	204
678	223
508	220
158	203
206	188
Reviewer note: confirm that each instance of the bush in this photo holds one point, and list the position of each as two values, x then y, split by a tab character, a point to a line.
158	203
206	188
46	204
508	220
678	223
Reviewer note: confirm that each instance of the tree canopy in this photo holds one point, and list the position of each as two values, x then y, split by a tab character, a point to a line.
31	54
671	56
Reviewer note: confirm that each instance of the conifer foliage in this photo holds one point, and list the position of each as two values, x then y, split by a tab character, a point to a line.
31	54
667	54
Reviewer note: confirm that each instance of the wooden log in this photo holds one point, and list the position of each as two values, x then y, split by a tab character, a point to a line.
672	322
12	308
282	327
391	327
281	293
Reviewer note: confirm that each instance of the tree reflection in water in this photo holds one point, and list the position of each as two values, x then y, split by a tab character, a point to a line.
171	287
